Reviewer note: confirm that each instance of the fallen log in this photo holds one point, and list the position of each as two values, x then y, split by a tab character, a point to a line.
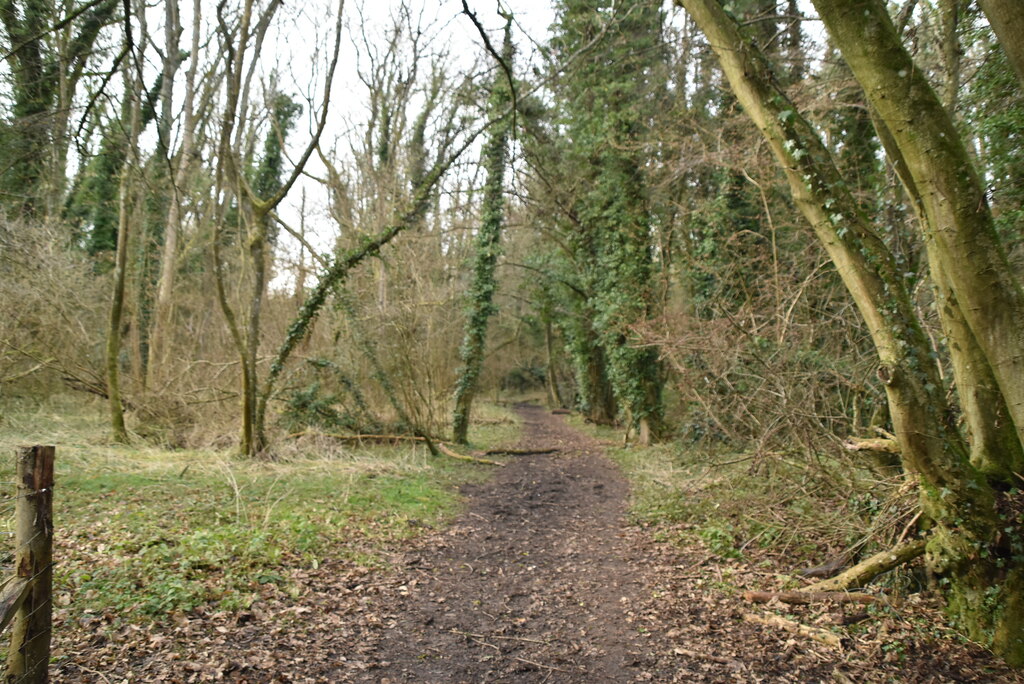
822	636
801	598
462	457
867	570
561	412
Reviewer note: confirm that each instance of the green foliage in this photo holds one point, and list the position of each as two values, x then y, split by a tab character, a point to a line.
267	175
604	106
994	105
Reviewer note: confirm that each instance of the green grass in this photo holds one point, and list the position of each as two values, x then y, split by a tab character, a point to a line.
151	532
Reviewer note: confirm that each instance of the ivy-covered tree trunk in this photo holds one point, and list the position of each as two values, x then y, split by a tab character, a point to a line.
487	247
46	65
607	98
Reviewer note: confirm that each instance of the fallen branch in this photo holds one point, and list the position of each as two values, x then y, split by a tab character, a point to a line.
462	457
805	597
822	636
867	570
882	444
828	568
520	452
361	438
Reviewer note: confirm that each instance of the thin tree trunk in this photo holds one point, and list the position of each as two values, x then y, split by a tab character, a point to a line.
163	306
117	425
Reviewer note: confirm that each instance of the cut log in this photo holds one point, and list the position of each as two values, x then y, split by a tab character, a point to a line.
867	570
462	457
806	597
822	636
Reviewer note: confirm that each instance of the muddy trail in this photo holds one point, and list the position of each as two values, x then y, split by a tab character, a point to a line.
540	579
535	582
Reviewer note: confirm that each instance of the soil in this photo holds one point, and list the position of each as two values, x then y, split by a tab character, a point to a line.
541	579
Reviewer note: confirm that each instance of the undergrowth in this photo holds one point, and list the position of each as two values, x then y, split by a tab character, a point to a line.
775	510
146	532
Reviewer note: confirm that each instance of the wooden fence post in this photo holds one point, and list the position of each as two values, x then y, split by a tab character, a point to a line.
29	656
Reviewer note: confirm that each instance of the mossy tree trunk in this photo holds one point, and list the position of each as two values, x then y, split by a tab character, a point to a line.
984	570
967	550
487	248
1007	20
959	221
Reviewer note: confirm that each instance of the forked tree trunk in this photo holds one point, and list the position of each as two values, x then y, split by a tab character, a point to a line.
995	449
959	220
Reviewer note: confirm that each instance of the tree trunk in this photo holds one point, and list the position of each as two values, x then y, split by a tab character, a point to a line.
995	449
163	305
970	548
1007	20
488	246
959	221
132	103
554	394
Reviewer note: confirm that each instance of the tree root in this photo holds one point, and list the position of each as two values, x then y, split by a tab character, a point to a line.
462	457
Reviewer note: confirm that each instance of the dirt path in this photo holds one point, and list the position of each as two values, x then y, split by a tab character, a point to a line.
533	583
539	580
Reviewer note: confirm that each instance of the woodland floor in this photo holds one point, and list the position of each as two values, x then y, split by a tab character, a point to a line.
540	579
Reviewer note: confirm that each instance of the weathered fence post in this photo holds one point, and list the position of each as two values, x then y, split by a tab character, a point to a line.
29	657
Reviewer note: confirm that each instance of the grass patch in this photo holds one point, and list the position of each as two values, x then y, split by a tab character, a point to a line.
150	532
